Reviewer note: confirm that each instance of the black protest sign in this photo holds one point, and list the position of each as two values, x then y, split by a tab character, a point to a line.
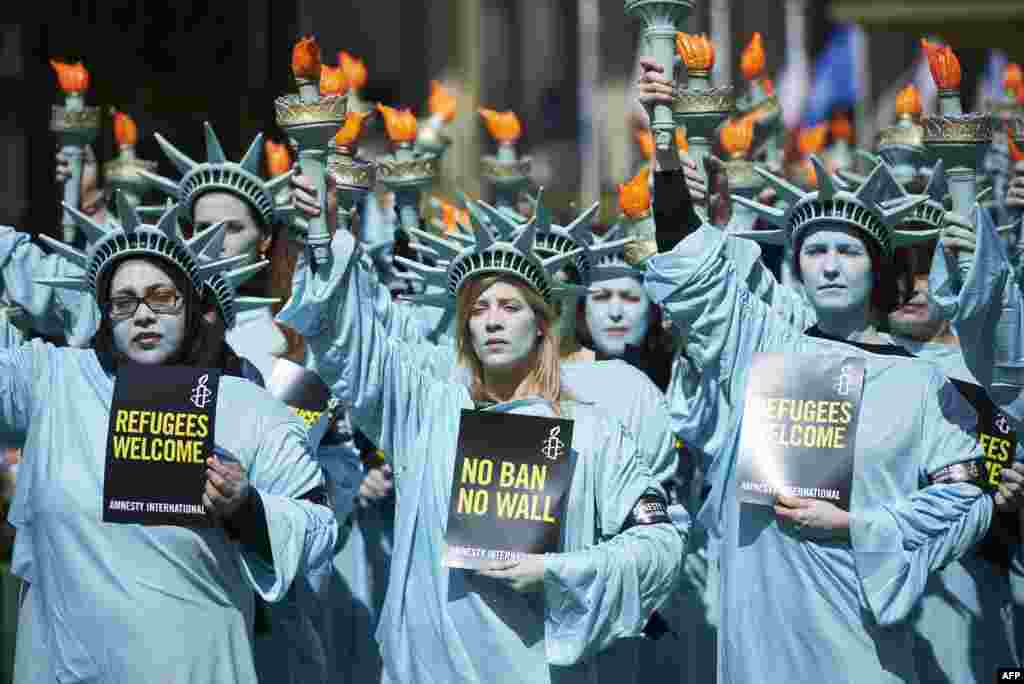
799	423
304	393
509	487
996	434
159	437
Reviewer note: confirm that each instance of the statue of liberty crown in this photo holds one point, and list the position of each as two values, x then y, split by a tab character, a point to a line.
223	284
612	264
931	212
217	173
504	249
876	209
533	250
109	244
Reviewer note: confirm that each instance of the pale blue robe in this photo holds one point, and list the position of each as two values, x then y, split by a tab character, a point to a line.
793	609
119	603
987	313
49	310
965	620
293	651
454	626
613	385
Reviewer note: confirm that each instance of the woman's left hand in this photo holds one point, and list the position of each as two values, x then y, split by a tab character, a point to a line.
227	487
1010	495
958	236
524	576
813	518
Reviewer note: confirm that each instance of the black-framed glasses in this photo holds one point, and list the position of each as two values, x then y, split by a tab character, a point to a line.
162	300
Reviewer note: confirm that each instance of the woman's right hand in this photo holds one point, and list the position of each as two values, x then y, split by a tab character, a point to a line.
305	196
90	168
378	484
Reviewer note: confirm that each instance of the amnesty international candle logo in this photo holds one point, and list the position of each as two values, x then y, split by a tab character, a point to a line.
201	394
552	448
509	487
799	424
158	439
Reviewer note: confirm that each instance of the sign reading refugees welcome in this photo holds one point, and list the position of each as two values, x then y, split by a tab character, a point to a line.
799	424
509	487
159	437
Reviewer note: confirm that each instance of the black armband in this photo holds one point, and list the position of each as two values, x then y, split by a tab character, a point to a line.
650	509
674	215
965	471
248	525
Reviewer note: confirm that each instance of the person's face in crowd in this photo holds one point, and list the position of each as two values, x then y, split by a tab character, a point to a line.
242	235
146	336
617	314
917	318
836	270
503	328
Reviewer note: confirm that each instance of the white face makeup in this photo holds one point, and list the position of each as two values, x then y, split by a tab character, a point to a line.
503	328
618	313
918	318
836	271
242	234
146	336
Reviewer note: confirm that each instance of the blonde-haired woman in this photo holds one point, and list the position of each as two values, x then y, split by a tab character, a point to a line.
538	620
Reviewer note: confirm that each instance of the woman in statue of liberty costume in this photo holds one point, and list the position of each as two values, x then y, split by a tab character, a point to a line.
297	647
965	618
247	211
172	602
541	619
850	579
616	387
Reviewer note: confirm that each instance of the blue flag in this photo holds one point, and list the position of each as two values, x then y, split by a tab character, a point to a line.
836	81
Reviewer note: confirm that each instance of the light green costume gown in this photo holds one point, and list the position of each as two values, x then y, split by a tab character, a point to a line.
451	625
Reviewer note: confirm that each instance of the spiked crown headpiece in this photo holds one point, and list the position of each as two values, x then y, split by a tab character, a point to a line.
110	244
222	284
499	245
875	209
218	174
612	263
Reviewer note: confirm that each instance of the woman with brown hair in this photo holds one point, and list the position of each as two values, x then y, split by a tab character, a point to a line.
538	619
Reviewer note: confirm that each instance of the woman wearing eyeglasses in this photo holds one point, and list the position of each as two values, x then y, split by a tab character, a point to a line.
128	603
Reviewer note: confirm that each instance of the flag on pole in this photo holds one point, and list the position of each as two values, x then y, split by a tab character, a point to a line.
837	78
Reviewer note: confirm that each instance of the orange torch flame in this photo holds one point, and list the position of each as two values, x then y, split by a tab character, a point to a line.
752	60
306	59
349	133
842	128
812	140
355	70
400	123
442	102
504	127
1013	78
682	144
737	136
279	159
73	78
1016	154
635	195
696	50
944	65
645	139
332	80
126	133
908	102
